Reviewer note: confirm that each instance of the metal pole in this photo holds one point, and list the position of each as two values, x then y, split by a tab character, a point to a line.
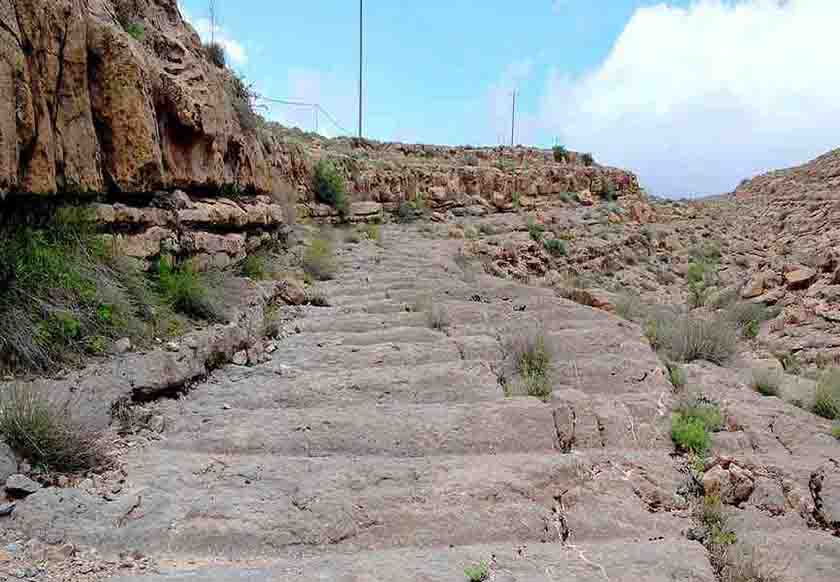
361	31
512	118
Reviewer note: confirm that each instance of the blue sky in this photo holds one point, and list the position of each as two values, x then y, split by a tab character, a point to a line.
692	95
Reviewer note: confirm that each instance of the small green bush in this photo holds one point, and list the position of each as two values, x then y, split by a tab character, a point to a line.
685	338
185	289
216	53
535	231
254	267
700	409
690	434
587	159
789	362
531	361
319	260
330	188
835	431
372	232
559	152
766	382
48	436
676	374
827	397
555	247
136	31
749	317
477	573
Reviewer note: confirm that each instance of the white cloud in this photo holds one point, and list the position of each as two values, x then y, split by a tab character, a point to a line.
697	98
233	48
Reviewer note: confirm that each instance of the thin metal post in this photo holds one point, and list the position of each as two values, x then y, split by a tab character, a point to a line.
361	54
512	118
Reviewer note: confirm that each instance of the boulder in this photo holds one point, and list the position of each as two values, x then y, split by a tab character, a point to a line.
733	484
20	485
8	462
800	278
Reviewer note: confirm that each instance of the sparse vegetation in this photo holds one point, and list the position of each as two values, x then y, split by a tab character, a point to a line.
748	317
555	247
686	338
136	31
559	152
530	360
535	230
692	422
244	96
478	572
186	290
254	267
765	381
835	431
317	299
65	291
372	232
330	188
676	375
587	159
319	259
47	435
827	396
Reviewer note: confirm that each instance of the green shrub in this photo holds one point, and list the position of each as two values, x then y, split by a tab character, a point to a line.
587	159
559	153
827	397
555	247
835	431
48	436
330	188
789	362
690	434
697	408
185	289
708	252
749	317
686	338
766	382
676	375
610	194
60	286
531	362
535	231
319	260
691	424
216	53
254	267
516	200
372	232
477	573
136	31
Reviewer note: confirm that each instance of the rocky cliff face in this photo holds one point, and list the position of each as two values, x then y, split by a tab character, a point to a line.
86	106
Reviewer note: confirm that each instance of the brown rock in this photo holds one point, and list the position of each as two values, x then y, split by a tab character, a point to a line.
292	293
754	287
800	278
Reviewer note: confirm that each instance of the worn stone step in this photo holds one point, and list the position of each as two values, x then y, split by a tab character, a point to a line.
279	386
664	560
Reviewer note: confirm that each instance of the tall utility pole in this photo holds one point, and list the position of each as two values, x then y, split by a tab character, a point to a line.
361	55
512	118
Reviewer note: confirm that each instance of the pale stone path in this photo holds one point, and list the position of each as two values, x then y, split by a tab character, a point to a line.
372	447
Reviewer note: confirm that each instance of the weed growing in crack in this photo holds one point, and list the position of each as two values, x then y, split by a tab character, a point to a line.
692	423
478	572
744	564
186	290
827	397
529	359
676	375
766	382
319	259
